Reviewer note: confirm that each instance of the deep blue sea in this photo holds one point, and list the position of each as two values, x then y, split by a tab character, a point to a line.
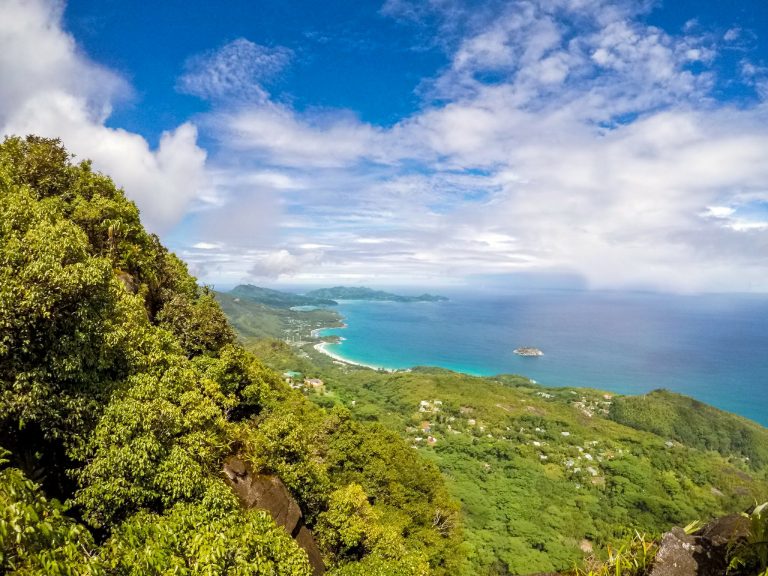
714	348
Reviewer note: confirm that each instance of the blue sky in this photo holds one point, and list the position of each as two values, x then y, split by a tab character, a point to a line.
436	142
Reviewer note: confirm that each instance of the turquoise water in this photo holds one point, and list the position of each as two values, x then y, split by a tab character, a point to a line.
714	348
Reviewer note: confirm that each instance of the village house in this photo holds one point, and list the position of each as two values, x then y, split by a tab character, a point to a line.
314	383
290	377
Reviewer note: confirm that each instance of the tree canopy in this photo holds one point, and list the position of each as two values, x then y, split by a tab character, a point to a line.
123	389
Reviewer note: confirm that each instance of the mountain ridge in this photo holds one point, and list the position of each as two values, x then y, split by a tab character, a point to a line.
362	293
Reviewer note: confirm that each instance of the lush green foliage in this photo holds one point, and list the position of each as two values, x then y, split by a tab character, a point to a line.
122	391
360	293
320	455
276	298
540	473
190	540
632	557
694	424
36	536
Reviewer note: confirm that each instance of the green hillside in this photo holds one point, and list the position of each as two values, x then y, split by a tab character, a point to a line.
277	298
544	474
694	424
254	320
123	392
360	293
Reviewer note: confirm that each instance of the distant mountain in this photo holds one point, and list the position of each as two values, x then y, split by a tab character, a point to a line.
360	293
278	299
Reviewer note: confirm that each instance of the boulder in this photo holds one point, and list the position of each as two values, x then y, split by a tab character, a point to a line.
306	540
266	492
703	553
677	555
724	532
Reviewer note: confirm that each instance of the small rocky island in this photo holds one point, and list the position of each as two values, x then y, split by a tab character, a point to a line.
528	351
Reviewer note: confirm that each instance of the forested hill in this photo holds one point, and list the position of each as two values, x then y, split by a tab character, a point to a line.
361	293
547	478
139	437
278	298
123	392
695	424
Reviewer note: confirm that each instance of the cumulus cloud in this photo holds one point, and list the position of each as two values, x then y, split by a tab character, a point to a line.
278	135
282	263
565	135
52	89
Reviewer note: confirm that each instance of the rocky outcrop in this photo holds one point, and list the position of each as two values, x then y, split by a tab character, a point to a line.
265	492
528	351
703	553
677	555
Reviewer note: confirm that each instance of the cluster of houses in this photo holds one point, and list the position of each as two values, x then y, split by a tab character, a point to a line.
430	405
591	406
297	381
425	428
585	462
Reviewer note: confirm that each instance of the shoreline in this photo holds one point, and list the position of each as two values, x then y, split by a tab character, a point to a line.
315	333
321	347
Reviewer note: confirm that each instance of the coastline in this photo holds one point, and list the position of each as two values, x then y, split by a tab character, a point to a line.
316	332
579	357
321	347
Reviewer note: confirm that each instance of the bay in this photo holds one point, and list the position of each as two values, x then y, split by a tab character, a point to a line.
711	347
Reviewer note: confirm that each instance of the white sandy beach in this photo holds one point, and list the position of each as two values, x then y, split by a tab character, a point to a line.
322	347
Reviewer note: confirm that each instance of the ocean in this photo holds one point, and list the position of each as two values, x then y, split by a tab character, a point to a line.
713	347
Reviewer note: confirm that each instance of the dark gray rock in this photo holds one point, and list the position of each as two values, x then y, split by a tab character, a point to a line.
268	493
724	532
677	555
306	540
703	553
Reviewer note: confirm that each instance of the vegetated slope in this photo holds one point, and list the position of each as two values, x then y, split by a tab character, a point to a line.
122	390
278	298
542	474
360	293
695	424
254	320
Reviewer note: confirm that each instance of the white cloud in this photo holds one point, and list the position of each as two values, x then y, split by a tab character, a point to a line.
235	70
732	34
564	136
282	263
594	150
277	135
49	87
718	212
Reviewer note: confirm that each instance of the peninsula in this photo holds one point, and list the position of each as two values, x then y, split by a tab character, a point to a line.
277	298
361	293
